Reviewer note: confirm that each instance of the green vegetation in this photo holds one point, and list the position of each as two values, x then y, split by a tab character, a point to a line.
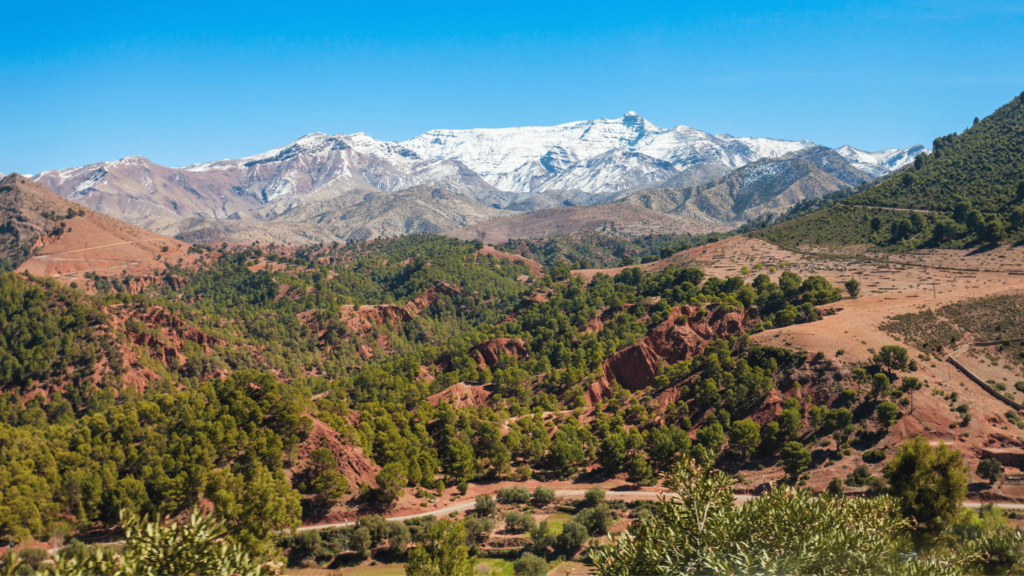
195	546
969	190
596	250
442	551
983	165
791	531
241	388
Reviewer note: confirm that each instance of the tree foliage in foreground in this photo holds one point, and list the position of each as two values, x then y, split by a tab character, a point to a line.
787	531
443	552
196	546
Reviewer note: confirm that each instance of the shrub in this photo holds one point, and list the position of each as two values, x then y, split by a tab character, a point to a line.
573	535
594	496
835	486
873	456
859	477
530	565
543	495
542	536
478	529
989	469
597	520
485	505
519	522
514	495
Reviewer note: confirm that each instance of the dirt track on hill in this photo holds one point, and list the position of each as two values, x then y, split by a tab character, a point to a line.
891	284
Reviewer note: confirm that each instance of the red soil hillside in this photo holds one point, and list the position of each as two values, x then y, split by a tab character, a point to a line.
536	268
685	334
366	321
65	240
353	463
461	395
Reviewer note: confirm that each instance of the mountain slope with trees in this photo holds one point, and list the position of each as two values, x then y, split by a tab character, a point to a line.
968	191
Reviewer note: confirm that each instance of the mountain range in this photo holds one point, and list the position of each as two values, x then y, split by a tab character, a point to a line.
518	169
761	187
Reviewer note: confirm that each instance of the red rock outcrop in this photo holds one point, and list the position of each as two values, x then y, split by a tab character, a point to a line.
139	283
768	408
363	321
461	395
353	463
487	353
685	333
429	297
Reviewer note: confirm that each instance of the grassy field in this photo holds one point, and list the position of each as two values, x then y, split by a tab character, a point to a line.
926	331
986	319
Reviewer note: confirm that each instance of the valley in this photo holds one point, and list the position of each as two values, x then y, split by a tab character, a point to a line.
337	377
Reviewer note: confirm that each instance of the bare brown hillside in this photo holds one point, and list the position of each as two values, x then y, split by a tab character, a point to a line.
621	220
64	240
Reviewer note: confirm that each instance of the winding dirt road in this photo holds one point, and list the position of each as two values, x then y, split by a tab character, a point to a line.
630	496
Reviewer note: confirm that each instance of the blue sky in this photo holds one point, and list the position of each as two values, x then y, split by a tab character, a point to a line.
182	83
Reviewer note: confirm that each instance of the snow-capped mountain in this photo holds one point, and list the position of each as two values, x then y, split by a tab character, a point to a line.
604	157
539	158
882	162
141	192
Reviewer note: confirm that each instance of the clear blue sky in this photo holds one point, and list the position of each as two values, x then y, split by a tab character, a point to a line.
182	83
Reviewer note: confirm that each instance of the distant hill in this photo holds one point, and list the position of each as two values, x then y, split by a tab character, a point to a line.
984	164
144	193
695	175
763	187
968	190
48	235
421	209
616	219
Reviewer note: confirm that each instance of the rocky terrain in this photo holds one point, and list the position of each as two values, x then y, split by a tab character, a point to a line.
763	187
324	188
50	236
417	210
616	219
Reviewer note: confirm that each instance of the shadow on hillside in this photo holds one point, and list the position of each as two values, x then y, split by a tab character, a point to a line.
984	248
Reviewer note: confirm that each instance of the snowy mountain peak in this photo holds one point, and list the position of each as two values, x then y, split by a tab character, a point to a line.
881	162
533	158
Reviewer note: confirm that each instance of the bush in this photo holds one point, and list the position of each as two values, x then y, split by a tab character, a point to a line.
989	469
542	536
835	486
485	505
543	495
519	522
594	496
860	476
573	535
873	456
597	520
478	529
515	495
530	565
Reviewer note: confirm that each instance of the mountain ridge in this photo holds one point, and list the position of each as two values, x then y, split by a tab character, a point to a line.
762	187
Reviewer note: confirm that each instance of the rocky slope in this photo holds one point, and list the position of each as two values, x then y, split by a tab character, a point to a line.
418	210
765	186
616	219
139	191
51	236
